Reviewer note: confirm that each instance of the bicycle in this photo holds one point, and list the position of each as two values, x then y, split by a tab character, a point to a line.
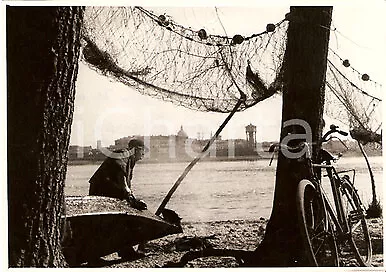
333	231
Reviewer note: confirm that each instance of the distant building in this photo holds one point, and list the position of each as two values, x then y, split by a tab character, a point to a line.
123	142
181	135
250	131
180	147
176	147
161	147
79	152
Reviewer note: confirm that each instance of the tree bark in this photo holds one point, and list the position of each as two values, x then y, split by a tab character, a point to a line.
303	98
43	45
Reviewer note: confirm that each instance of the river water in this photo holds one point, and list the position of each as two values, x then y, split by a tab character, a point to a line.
217	190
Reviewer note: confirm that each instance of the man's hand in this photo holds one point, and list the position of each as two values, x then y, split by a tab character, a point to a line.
136	204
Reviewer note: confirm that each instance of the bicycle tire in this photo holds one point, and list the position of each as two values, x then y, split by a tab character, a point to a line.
355	215
315	227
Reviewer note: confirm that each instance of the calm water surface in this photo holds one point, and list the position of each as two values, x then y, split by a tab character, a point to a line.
217	190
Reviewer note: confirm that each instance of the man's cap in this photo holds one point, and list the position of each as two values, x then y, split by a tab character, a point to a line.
137	143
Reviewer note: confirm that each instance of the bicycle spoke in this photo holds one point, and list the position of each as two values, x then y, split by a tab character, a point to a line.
317	251
323	238
317	236
356	226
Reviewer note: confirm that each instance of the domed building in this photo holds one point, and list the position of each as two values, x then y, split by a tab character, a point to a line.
181	135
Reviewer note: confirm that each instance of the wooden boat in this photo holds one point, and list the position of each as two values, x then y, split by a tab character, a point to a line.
98	226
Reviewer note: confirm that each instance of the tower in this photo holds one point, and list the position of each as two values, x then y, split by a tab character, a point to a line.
250	131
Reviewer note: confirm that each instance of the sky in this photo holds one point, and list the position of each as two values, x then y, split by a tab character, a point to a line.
106	110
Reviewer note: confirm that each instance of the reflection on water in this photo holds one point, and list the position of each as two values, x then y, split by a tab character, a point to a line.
216	190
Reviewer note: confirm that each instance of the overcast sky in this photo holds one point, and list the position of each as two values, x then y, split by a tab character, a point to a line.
106	110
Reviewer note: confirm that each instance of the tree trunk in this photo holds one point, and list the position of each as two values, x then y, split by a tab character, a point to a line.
43	45
303	98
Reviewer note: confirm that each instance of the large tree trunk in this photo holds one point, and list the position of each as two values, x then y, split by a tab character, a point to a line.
303	98
43	45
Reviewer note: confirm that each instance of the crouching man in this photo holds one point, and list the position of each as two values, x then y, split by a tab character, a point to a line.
113	179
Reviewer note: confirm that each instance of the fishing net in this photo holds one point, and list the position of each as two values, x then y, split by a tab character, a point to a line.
354	99
202	71
191	68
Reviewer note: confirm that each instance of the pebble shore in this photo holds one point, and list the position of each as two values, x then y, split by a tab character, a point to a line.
234	234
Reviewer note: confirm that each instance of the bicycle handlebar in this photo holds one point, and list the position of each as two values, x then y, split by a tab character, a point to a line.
344	133
300	146
333	129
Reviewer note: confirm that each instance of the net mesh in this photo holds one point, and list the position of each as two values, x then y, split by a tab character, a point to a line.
163	59
354	99
160	58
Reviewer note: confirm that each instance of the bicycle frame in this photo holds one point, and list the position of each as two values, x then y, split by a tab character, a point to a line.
338	215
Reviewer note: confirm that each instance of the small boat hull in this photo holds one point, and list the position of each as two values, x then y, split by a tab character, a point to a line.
98	226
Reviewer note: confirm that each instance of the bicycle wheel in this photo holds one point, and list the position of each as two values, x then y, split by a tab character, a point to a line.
355	215
315	226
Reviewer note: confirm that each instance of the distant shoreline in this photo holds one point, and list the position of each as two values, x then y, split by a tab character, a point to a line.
238	158
148	161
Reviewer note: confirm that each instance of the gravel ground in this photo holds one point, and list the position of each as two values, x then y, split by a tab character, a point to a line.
236	234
